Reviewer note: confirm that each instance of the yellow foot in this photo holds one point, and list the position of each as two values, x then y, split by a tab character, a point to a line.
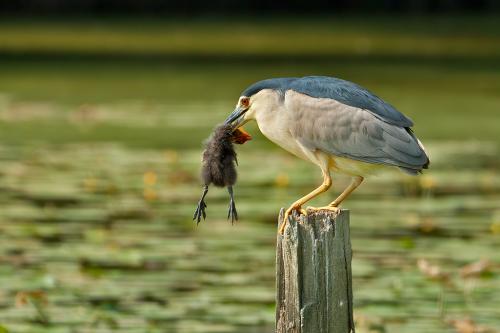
328	208
288	212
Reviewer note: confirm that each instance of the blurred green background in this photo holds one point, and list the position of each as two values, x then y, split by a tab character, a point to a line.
101	124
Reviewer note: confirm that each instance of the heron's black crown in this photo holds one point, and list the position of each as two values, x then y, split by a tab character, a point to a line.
281	84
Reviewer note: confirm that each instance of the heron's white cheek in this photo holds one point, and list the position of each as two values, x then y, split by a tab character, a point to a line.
250	114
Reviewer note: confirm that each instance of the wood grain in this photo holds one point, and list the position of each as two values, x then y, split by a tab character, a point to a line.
313	274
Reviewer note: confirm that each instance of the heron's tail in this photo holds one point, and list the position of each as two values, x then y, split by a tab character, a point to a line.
418	169
428	162
413	172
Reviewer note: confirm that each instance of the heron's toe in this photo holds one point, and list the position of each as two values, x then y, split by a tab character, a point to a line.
287	213
328	208
293	208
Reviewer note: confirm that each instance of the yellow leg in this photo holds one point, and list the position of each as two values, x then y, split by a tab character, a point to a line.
297	205
355	182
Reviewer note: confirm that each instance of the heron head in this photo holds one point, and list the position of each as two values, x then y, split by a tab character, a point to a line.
259	97
239	116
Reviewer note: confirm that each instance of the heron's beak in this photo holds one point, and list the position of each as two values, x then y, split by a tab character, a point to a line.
236	117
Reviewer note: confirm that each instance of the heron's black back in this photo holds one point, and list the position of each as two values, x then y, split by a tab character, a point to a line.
343	91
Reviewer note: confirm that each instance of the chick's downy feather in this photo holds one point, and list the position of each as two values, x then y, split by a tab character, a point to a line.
219	158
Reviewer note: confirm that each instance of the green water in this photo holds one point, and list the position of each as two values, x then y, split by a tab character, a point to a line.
99	162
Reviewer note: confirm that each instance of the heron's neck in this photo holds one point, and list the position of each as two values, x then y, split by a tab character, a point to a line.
274	123
273	119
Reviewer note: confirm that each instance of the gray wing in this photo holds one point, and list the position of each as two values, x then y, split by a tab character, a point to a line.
350	94
353	133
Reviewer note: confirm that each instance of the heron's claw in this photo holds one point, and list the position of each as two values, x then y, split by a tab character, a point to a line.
232	214
288	212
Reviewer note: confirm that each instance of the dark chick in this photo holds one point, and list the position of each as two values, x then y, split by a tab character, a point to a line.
219	166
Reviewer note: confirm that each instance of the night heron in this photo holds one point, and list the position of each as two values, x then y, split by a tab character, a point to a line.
335	124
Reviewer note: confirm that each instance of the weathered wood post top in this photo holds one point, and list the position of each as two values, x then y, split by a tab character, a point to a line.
313	274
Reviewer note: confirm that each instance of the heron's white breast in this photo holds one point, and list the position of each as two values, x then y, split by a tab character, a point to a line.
273	121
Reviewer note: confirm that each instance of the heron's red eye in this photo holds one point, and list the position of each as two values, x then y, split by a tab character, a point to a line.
245	102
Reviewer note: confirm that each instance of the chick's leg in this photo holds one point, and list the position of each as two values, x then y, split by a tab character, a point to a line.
232	213
297	205
200	209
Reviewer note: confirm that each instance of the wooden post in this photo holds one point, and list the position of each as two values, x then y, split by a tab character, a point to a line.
313	274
